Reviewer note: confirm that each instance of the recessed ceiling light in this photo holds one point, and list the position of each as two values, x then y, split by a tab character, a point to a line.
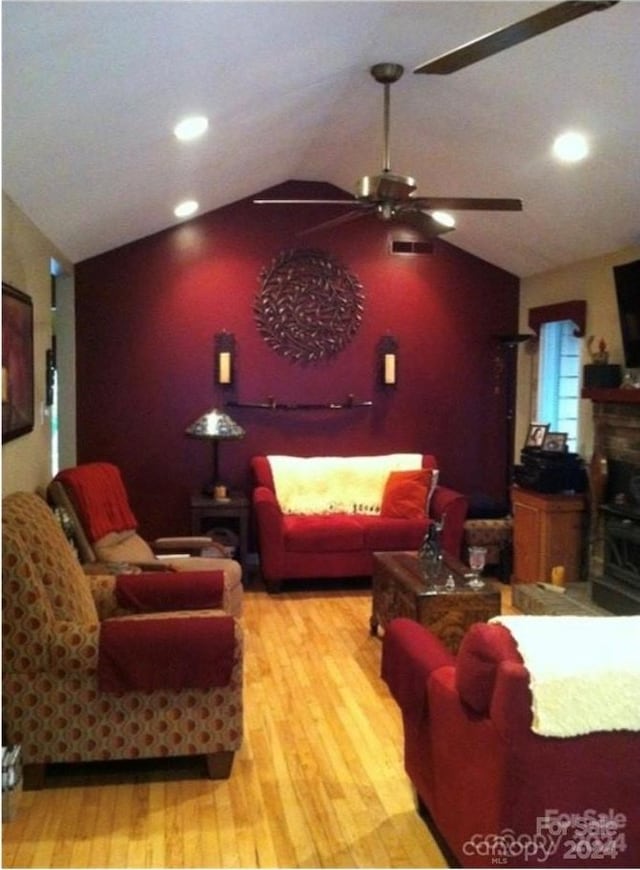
571	147
191	128
444	218
186	208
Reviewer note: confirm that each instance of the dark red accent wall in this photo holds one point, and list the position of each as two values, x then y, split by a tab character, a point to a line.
147	314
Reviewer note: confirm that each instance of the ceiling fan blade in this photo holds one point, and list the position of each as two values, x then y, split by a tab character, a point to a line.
499	40
341	219
350	202
465	203
422	221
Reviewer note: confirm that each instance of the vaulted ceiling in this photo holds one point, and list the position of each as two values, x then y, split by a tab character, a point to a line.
92	90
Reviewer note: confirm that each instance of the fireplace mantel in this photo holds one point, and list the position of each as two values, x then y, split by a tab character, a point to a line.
622	397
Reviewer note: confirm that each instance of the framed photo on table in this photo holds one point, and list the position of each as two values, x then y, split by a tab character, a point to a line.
536	435
17	363
555	442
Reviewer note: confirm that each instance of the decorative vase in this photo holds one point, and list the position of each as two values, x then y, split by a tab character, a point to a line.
430	552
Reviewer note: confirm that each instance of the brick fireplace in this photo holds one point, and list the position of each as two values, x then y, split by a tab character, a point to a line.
614	540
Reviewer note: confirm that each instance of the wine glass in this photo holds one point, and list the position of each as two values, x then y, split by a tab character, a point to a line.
477	560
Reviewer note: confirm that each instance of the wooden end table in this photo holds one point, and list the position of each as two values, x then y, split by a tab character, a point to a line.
232	513
399	589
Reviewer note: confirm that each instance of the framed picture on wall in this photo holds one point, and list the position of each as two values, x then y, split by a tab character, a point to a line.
555	442
536	434
17	363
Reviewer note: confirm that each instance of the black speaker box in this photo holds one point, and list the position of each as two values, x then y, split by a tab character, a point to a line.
601	376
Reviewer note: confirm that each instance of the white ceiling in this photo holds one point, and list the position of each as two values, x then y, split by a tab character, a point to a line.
91	91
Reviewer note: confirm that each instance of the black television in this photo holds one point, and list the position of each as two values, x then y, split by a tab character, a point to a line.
627	281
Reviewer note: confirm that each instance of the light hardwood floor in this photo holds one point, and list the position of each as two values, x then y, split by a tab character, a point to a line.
319	781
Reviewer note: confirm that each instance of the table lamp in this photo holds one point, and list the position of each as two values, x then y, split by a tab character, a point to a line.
217	426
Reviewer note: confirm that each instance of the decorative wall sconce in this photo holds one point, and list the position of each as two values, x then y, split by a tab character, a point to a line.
225	347
388	361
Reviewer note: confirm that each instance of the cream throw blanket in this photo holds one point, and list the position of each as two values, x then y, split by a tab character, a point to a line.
585	671
336	484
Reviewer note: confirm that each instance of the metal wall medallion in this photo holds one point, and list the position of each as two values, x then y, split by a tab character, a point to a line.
309	307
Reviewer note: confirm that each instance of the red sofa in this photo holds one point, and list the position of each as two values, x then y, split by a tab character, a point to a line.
497	793
329	545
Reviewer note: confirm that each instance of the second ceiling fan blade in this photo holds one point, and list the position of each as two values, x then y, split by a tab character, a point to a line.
466	203
334	222
506	37
350	202
427	225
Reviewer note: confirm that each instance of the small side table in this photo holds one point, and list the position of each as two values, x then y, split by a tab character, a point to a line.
231	513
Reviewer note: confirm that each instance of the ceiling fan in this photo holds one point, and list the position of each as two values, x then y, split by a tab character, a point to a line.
390	196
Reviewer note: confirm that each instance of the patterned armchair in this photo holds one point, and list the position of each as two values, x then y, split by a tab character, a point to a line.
68	694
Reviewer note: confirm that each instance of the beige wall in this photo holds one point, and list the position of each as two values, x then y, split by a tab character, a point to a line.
26	264
591	280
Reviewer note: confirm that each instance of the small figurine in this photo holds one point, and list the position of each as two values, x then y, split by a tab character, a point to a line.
601	356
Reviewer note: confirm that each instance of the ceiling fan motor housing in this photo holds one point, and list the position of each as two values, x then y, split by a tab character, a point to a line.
385	187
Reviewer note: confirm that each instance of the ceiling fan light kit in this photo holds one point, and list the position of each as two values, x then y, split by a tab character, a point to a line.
444	218
425	223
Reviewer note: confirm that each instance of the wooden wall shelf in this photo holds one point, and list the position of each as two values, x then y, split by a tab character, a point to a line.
623	397
272	405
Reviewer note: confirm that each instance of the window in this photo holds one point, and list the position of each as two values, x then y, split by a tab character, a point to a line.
559	379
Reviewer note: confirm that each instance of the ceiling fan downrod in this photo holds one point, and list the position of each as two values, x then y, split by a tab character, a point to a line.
386	74
386	185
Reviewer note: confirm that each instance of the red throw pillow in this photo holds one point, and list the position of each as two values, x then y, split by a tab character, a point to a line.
406	493
483	648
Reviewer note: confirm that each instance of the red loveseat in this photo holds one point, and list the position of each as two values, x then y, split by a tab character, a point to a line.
497	793
341	543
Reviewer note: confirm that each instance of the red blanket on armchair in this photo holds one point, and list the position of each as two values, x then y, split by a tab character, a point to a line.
168	652
157	591
100	498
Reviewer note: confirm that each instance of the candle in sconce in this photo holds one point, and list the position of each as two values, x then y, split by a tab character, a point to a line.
224	367
389	368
